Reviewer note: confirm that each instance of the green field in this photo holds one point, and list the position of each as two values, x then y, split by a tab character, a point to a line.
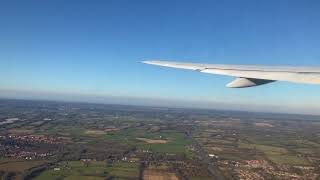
176	142
95	170
277	155
71	131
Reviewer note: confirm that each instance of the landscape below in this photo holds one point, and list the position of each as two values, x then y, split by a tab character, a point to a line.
59	140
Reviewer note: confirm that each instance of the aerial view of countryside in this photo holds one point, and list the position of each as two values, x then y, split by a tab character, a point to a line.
58	140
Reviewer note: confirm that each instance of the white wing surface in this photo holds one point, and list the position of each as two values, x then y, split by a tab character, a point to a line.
248	76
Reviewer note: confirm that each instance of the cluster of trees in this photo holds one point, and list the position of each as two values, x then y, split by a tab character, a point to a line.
7	175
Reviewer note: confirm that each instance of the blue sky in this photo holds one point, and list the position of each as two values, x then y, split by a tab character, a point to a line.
91	51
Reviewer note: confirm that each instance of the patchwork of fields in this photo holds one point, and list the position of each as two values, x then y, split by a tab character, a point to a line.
51	140
94	170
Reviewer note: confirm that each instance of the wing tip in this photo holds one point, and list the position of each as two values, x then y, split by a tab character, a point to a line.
155	62
148	62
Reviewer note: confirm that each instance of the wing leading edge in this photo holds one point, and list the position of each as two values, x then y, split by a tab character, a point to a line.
248	76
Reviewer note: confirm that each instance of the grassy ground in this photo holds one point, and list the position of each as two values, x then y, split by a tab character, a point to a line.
176	141
276	154
96	170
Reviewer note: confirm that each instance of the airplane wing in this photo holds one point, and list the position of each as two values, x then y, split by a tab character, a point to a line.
248	76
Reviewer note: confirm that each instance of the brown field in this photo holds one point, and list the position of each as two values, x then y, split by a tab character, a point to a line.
95	132
111	129
19	166
153	141
216	149
267	125
153	174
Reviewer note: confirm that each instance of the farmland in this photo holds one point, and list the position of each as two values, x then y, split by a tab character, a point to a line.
92	170
58	140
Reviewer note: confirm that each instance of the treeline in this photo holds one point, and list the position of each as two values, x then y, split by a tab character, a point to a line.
35	171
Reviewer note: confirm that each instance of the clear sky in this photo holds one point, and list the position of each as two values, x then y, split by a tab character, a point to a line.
91	50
